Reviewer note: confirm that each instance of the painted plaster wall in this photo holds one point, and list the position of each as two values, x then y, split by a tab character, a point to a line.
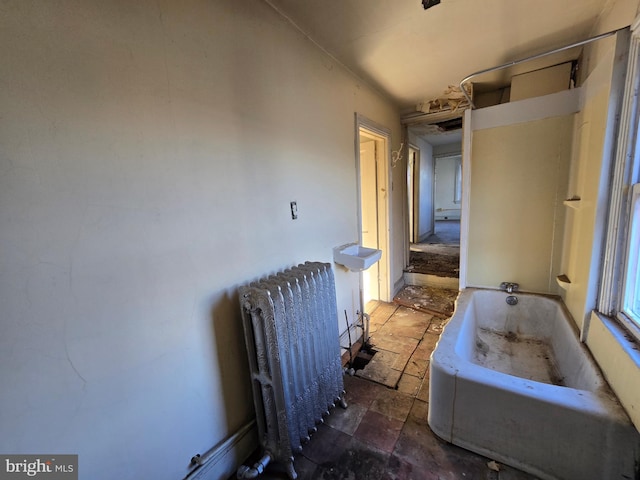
445	188
425	186
619	359
578	261
616	355
149	154
518	178
448	149
540	82
617	14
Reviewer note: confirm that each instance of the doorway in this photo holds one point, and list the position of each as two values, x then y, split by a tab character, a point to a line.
413	192
434	207
448	187
372	148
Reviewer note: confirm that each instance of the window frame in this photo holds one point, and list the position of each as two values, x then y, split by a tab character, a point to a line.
623	200
630	291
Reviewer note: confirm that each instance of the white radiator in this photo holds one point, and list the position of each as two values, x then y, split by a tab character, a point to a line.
291	331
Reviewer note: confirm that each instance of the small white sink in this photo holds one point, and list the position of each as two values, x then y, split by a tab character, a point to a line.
356	257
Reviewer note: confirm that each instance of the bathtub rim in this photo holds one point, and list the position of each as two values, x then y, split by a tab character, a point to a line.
445	357
477	408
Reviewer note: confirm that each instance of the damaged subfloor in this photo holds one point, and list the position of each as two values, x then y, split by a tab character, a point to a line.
439	302
439	261
383	434
435	264
403	339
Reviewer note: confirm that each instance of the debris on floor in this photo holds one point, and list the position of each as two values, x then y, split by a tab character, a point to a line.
436	301
441	265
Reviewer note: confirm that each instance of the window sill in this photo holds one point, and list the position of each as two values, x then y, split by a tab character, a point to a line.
618	355
628	343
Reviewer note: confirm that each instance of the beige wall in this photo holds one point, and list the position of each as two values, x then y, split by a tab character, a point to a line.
615	353
541	82
578	261
617	14
619	358
518	178
149	154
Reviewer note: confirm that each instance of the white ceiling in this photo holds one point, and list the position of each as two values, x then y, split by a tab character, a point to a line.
412	54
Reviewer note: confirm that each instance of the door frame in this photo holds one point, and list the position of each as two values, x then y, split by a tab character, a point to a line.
413	193
371	129
467	136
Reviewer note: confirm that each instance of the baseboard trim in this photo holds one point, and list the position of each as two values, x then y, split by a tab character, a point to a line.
398	285
223	460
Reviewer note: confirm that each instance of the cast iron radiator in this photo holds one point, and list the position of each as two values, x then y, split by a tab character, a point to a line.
291	331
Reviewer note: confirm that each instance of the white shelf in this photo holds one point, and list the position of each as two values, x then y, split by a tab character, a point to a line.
563	281
573	203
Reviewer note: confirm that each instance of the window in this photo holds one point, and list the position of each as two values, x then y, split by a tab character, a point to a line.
620	287
631	289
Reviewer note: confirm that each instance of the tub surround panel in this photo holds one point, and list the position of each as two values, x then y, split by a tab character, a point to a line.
518	181
566	102
589	181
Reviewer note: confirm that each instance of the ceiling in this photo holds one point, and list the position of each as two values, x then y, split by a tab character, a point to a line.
412	54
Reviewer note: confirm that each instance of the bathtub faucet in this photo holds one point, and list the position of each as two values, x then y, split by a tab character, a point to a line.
509	287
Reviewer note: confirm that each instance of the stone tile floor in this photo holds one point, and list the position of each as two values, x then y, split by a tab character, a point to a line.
383	434
404	339
438	301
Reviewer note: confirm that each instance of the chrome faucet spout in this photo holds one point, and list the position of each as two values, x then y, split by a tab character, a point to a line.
509	287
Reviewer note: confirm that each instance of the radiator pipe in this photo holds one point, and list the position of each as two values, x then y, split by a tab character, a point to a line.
246	472
365	318
349	335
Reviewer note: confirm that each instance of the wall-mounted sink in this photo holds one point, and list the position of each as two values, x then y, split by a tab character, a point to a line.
356	257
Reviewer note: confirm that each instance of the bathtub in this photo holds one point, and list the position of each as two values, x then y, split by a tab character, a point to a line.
514	383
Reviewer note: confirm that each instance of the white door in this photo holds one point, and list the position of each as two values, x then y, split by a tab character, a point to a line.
373	166
369	212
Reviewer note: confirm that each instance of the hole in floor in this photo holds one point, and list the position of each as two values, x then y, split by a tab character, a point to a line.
363	357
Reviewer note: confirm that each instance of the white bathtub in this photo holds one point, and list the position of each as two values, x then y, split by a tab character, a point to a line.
492	391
